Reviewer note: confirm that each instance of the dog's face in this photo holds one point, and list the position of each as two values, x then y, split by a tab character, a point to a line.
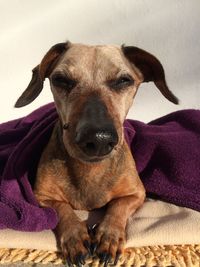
93	89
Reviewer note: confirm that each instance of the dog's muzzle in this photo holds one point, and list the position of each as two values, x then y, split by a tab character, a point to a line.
96	134
95	141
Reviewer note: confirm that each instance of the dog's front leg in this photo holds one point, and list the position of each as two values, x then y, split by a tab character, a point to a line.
110	235
72	234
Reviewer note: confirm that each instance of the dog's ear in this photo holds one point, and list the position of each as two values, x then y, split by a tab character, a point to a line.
40	72
151	69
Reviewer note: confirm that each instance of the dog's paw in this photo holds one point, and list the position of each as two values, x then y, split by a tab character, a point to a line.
75	244
108	242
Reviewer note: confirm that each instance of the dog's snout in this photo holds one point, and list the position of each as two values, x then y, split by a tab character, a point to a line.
95	133
97	142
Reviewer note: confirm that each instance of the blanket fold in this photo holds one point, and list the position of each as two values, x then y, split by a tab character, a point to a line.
144	228
167	154
21	143
166	151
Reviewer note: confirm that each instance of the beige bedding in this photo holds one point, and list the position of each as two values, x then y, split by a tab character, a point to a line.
156	223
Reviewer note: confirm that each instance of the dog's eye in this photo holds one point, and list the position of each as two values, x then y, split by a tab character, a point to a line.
62	81
122	82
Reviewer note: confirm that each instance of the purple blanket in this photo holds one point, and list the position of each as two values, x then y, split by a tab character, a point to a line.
166	151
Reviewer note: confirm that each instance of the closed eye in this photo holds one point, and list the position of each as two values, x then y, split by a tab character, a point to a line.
122	82
62	81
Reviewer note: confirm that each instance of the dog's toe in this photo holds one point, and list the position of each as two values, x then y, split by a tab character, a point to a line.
110	240
93	247
88	246
80	259
105	258
75	245
118	254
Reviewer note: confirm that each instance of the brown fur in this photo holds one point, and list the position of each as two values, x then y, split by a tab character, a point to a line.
65	179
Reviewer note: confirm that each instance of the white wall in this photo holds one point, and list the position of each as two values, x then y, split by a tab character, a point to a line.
168	29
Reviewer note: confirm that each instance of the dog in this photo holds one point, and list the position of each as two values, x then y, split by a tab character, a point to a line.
87	163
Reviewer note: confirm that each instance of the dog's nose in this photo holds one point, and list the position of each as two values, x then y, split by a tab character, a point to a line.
97	142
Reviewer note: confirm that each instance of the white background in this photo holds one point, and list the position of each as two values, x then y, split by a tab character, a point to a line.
168	29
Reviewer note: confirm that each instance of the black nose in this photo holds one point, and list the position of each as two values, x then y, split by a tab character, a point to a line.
97	142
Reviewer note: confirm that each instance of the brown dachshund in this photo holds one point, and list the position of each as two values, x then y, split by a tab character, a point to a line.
87	163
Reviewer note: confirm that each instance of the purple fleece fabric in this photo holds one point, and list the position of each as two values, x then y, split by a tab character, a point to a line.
166	151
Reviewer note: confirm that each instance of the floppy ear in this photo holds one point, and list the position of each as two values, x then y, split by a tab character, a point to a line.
151	69
40	72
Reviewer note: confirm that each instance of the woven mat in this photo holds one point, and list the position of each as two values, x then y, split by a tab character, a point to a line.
159	256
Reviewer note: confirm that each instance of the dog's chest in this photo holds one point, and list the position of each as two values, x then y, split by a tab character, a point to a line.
88	196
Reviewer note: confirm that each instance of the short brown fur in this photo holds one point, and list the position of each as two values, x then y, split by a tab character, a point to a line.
66	179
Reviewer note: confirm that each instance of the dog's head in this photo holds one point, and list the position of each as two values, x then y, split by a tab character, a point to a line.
93	89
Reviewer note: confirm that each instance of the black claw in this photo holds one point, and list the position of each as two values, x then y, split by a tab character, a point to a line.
88	246
78	264
107	260
93	248
69	263
117	258
77	261
103	257
80	260
92	229
90	232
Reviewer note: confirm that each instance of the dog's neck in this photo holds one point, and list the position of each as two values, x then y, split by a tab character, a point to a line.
83	171
84	185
